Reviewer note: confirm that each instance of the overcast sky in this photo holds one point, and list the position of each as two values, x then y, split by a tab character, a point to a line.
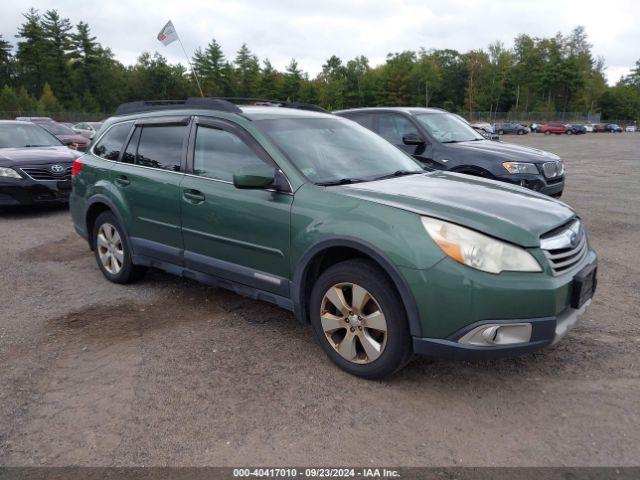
312	31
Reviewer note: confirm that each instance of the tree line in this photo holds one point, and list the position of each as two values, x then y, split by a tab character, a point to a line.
56	66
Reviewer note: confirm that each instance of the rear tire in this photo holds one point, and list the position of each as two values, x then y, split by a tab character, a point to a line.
112	252
367	335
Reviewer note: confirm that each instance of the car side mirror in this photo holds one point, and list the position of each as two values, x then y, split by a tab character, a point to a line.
254	177
412	139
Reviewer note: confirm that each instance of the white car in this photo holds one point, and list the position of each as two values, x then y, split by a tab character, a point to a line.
588	127
87	129
630	128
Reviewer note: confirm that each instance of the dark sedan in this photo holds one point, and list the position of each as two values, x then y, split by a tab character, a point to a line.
612	128
577	129
35	167
515	128
67	136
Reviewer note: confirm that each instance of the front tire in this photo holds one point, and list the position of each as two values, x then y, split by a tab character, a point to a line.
112	252
359	319
547	132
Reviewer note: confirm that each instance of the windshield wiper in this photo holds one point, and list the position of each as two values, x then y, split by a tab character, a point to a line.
399	173
342	181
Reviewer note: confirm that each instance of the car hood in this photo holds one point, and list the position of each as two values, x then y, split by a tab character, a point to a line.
507	151
508	212
36	155
77	138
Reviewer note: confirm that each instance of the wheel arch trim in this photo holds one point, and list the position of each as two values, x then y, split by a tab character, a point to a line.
299	287
101	198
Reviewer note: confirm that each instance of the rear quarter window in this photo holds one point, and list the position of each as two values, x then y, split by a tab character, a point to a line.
110	145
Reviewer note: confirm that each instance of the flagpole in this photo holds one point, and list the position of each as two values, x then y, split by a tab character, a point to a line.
193	70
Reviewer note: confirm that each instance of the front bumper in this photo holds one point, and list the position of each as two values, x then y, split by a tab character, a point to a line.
453	300
544	332
30	192
552	187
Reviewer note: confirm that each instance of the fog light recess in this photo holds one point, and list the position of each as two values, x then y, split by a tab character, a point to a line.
492	334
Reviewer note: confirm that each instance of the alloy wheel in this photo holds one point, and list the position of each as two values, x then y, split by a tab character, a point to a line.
110	248
353	323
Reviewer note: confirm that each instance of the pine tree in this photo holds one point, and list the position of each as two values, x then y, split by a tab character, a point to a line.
247	72
6	62
58	46
31	54
292	82
269	82
9	103
48	103
26	102
210	66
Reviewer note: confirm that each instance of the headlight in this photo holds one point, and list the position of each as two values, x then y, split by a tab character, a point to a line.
9	172
477	250
520	167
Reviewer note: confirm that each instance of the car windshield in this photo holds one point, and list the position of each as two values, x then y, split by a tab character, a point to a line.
26	135
447	128
56	128
95	125
334	150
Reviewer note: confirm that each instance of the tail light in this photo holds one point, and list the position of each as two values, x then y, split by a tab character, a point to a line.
76	167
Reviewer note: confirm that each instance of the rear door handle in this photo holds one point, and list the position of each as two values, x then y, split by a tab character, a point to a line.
122	181
193	196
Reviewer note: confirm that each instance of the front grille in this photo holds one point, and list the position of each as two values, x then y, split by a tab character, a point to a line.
44	173
553	169
565	248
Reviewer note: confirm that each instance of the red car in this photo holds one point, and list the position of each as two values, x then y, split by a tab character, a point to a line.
67	136
557	128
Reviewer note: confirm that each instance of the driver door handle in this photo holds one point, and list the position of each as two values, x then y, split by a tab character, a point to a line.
193	196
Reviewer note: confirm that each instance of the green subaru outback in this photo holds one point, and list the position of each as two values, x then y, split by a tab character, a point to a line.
322	217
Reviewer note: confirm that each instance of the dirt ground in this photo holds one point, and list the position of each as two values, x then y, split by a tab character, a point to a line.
169	372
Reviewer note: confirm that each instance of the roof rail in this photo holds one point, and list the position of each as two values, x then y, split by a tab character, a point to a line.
191	102
275	103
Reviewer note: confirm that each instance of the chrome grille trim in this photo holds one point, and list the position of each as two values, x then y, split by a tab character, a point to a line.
43	173
560	252
553	169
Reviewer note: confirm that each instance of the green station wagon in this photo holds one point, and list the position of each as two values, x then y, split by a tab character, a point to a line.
322	217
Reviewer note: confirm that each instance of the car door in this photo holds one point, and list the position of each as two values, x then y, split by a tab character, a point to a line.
236	234
148	179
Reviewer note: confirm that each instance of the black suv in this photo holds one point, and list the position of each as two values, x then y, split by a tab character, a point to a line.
440	140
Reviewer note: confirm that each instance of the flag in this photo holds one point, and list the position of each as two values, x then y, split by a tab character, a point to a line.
168	34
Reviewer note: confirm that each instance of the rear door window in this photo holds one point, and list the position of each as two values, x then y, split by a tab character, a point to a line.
110	145
161	147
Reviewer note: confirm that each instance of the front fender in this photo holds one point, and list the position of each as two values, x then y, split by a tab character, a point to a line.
394	238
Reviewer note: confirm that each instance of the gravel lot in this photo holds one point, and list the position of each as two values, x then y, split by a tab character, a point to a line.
169	372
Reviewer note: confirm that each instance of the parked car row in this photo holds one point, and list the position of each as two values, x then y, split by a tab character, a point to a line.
576	129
